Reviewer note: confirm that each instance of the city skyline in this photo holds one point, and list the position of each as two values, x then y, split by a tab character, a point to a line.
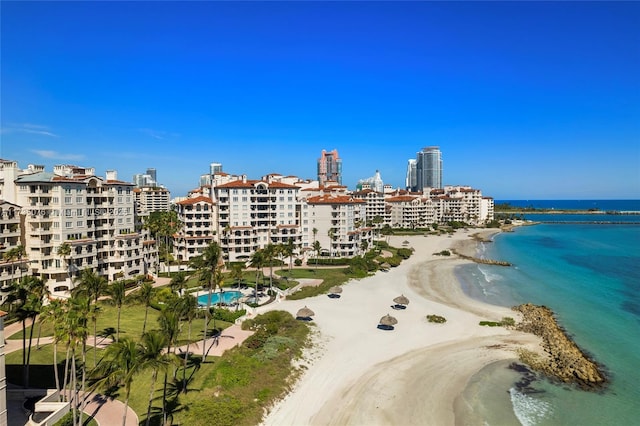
544	93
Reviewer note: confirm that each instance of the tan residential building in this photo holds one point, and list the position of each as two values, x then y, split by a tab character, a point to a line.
198	218
410	211
255	213
337	221
13	263
149	200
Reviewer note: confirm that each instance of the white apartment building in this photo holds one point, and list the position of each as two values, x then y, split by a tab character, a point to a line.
94	216
10	238
149	200
255	213
410	211
335	221
198	218
376	214
459	204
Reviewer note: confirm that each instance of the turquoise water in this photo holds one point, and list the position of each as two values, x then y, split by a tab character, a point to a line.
227	297
589	276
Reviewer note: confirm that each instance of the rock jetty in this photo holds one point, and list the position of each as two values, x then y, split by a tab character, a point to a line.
565	360
483	261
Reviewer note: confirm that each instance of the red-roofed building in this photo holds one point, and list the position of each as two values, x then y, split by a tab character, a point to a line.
198	218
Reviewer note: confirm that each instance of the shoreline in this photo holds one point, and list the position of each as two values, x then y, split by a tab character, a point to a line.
413	374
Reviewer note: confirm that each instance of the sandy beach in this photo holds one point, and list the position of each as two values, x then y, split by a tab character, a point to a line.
357	374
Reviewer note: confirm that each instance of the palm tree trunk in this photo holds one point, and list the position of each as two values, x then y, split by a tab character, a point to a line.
38	339
118	329
144	324
74	395
66	368
95	342
55	366
33	323
24	353
84	374
186	354
164	393
206	325
126	406
154	377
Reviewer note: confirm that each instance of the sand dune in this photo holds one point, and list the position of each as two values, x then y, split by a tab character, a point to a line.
360	375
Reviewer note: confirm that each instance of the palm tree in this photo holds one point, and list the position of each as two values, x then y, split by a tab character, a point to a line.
35	302
64	251
117	293
236	273
91	285
146	296
270	252
189	311
153	357
207	264
317	248
288	250
121	362
257	261
76	324
55	312
169	327
178	282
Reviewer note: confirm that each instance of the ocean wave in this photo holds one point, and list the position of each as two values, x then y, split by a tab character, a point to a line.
488	276
529	411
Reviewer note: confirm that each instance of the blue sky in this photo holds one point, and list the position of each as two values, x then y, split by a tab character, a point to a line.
526	100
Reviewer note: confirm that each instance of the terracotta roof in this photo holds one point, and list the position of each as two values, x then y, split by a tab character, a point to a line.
200	199
250	183
119	182
334	199
400	199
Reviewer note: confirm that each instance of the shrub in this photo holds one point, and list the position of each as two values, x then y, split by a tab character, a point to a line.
405	253
508	322
443	253
297	262
490	323
228	315
436	319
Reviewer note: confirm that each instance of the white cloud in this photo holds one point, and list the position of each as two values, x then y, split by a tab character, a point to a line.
158	134
34	129
54	155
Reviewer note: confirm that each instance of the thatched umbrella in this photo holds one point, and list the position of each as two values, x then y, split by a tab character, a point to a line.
305	313
401	300
388	320
335	289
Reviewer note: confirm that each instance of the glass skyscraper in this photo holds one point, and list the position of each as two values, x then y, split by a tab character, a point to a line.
428	169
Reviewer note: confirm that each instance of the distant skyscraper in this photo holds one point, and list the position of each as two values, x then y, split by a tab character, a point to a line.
152	172
428	168
329	167
411	182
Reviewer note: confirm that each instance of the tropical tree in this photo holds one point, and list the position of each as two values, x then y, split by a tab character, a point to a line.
64	251
77	331
146	296
331	233
162	225
92	286
207	264
178	282
317	248
13	254
152	356
117	293
236	273
188	308
270	252
257	261
55	313
121	362
169	327
288	250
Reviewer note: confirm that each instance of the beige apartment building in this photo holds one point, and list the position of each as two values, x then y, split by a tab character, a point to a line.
255	213
13	262
198	218
92	215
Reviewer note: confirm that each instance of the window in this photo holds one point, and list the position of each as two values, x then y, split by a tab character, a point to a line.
68	225
67	190
67	212
244	199
79	212
79	200
55	200
235	199
79	224
119	190
56	225
119	200
78	190
67	200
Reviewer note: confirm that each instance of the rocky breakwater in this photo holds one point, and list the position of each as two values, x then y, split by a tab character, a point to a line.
565	360
481	260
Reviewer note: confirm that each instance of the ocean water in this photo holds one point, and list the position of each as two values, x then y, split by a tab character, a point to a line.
590	276
603	205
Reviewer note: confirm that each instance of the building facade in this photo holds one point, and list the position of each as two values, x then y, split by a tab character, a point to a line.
428	169
198	218
329	167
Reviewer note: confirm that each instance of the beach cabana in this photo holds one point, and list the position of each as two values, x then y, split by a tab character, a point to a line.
387	322
401	302
334	292
304	314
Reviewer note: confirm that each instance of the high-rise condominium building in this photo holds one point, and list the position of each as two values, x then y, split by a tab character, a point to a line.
411	180
215	168
329	167
428	168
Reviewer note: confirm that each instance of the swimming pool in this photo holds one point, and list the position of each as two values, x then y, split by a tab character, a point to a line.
227	297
